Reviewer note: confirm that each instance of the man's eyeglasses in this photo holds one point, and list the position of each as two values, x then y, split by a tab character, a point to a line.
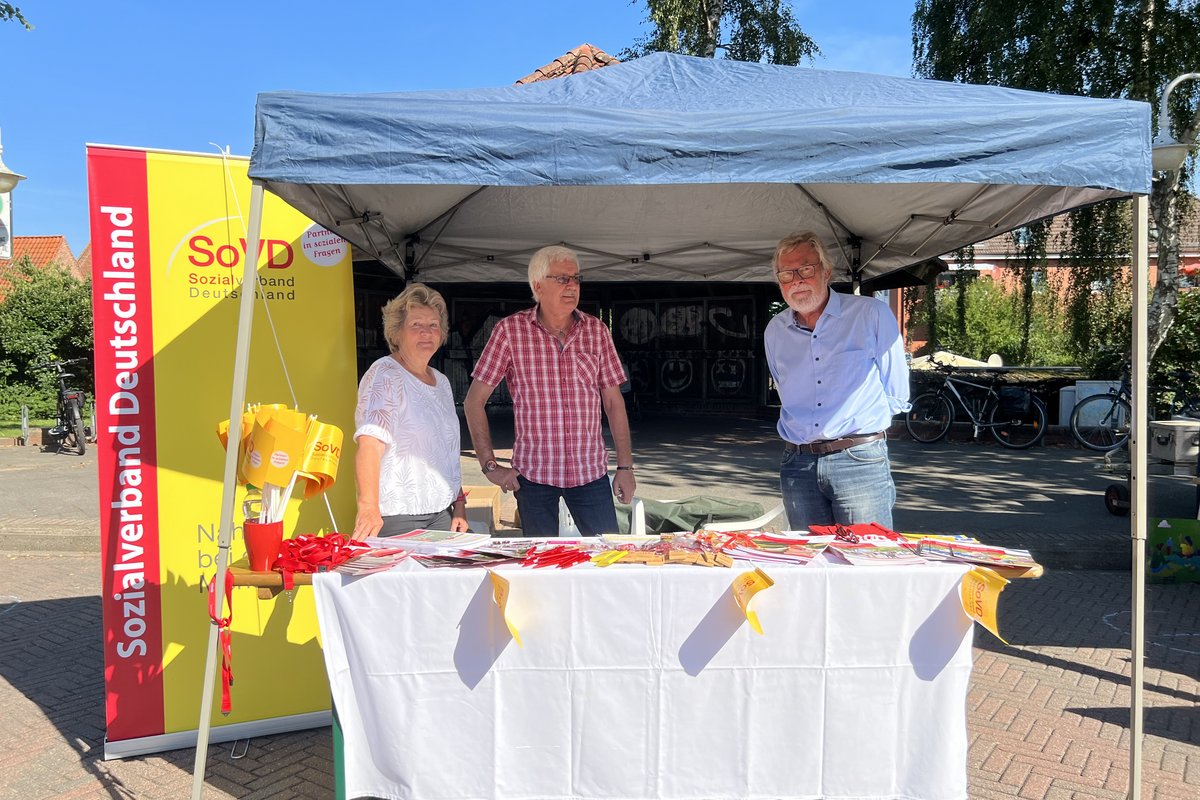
801	273
565	280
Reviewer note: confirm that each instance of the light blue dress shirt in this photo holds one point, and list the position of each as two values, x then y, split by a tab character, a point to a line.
847	376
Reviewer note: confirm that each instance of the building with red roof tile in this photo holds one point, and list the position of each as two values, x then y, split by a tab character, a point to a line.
42	251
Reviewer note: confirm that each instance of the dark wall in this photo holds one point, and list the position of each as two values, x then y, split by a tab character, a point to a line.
686	345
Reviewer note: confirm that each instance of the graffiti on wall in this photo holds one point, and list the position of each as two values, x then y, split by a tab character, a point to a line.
701	349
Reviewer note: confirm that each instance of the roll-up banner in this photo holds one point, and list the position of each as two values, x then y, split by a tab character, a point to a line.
168	238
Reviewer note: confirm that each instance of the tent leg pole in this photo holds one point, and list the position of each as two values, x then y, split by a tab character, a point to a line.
1138	489
241	364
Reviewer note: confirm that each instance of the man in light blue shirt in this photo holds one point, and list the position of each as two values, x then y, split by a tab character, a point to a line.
839	365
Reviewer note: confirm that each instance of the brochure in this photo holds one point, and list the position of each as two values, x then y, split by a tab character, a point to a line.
973	553
372	561
774	548
429	541
870	554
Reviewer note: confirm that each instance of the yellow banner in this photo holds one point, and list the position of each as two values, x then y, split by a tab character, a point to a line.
980	590
744	587
500	589
302	356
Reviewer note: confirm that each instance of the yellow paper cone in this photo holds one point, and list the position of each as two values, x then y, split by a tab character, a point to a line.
980	591
744	587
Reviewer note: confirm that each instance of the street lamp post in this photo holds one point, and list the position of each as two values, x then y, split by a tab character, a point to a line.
9	179
1168	153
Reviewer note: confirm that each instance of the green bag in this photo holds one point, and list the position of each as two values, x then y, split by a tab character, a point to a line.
689	514
1173	551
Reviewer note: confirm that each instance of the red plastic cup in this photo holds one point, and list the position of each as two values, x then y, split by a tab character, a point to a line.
263	543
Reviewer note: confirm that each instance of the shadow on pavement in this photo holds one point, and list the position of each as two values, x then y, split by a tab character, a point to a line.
50	653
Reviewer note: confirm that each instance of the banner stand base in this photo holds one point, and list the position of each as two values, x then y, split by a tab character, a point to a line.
127	748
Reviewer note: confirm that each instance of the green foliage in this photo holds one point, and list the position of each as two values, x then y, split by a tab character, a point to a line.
976	318
10	12
746	30
1178	353
47	314
1097	48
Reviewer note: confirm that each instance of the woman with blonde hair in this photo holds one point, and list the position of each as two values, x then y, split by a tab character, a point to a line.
407	466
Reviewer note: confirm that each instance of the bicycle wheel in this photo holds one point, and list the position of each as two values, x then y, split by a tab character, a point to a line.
76	429
1101	422
929	419
1019	430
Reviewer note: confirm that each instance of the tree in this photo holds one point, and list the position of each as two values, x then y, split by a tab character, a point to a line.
745	30
10	12
1098	48
47	314
977	317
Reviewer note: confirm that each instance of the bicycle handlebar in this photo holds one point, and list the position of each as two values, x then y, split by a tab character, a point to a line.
58	365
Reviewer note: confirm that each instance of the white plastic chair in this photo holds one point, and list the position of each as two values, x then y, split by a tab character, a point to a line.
637	521
566	523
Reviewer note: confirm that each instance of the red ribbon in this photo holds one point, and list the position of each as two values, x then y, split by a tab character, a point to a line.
311	553
224	636
560	555
736	539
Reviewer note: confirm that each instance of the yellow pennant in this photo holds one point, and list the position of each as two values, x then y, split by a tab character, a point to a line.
980	590
322	453
500	595
256	456
277	441
287	449
744	587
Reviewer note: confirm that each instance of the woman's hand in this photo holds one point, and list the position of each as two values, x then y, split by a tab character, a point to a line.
368	522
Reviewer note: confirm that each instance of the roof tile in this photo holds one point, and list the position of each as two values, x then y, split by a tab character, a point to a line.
581	59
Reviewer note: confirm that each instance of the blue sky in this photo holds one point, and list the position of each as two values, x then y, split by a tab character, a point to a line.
180	76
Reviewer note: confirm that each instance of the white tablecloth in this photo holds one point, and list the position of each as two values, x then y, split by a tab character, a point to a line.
640	682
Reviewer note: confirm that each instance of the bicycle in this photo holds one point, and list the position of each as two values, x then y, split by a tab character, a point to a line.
1102	422
70	430
1014	416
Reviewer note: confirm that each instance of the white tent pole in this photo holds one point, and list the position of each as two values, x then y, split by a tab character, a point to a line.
1140	370
237	400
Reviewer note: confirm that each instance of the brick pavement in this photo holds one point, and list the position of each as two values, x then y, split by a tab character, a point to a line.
1048	716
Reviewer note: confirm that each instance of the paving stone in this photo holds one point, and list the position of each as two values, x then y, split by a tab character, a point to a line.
1047	717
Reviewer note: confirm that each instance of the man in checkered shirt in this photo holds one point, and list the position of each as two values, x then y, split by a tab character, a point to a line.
561	367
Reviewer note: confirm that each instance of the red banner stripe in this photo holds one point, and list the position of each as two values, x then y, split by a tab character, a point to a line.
125	442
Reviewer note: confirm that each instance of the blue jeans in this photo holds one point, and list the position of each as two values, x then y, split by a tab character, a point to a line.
851	486
591	506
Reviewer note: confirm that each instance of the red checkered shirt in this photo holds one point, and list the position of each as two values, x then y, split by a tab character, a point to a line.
556	394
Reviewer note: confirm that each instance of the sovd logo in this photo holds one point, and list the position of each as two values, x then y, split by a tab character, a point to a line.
203	252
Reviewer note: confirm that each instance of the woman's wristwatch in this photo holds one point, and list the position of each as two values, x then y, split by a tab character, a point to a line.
630	468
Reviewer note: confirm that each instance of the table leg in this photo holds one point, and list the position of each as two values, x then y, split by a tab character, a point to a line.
339	760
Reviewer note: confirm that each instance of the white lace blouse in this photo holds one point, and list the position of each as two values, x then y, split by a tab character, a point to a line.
420	471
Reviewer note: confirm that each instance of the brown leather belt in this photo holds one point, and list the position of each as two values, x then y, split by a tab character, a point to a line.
826	446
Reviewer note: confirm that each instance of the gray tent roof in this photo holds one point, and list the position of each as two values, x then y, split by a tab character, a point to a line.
677	168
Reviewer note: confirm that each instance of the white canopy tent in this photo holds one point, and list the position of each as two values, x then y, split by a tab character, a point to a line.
671	168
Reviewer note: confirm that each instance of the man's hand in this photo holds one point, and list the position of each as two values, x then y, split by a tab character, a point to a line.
458	523
623	485
505	478
368	522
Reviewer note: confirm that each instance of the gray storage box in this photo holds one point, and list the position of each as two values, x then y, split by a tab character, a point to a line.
1175	440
